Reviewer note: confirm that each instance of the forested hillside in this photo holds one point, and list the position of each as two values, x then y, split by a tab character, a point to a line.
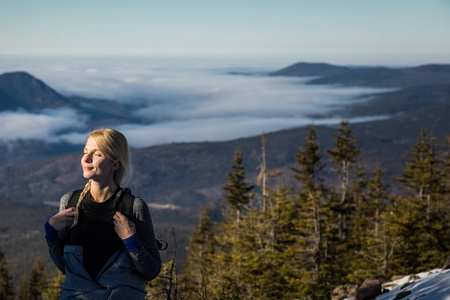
302	241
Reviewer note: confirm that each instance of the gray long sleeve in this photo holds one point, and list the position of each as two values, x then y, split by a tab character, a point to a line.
147	258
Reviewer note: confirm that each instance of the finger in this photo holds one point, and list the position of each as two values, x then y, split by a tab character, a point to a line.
119	214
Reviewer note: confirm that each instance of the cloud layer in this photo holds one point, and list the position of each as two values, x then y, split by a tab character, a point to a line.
182	99
41	125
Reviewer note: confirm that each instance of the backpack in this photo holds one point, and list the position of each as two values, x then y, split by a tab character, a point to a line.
125	205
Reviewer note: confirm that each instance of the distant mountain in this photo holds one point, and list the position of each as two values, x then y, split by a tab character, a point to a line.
369	76
303	69
401	101
105	112
20	89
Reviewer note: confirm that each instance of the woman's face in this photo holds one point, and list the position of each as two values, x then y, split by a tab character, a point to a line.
95	165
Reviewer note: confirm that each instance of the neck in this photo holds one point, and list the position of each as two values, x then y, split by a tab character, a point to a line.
100	193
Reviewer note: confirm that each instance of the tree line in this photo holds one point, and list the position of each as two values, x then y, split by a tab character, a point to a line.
299	241
300	238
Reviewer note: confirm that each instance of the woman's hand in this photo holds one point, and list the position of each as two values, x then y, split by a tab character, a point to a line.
63	219
123	227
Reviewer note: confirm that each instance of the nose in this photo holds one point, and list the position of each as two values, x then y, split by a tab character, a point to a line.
87	157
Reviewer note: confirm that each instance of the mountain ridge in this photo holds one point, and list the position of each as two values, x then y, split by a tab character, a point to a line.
328	74
21	89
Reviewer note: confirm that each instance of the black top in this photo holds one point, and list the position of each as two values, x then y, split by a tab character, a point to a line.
95	232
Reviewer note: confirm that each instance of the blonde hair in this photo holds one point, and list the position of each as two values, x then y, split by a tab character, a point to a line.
114	146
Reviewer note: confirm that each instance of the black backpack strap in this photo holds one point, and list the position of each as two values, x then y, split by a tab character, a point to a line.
125	202
162	244
74	198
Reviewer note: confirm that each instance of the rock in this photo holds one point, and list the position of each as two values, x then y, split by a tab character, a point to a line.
344	291
402	295
397	277
413	277
405	285
371	283
369	290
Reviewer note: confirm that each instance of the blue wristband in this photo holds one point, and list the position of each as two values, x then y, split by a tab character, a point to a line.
132	243
50	232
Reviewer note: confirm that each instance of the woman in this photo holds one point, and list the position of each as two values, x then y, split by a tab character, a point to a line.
103	254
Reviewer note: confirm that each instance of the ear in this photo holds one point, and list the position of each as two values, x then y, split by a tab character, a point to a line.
116	165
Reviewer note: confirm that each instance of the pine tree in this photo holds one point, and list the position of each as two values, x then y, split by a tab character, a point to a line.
311	217
164	287
38	279
343	156
309	160
33	287
232	236
378	243
445	170
352	249
421	177
237	192
197	268
53	290
417	232
442	213
368	248
24	293
6	284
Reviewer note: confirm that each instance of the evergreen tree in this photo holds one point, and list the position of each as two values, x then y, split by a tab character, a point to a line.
33	287
309	161
421	177
378	243
53	290
378	197
368	246
38	280
311	217
165	286
232	236
199	261
272	265
343	156
24	293
417	232
442	213
6	284
445	170
237	192
352	249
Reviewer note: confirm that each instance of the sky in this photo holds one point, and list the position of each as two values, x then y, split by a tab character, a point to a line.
371	32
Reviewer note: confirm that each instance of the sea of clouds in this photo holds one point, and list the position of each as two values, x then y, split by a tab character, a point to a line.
181	99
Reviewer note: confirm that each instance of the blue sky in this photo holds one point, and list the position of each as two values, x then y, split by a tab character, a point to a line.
403	31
